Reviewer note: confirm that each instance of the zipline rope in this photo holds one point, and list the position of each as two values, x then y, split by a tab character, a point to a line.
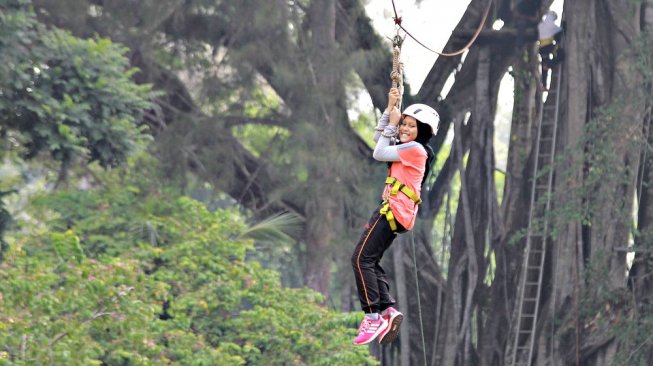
419	302
397	19
397	82
397	68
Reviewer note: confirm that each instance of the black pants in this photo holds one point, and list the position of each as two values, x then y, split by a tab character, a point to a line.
548	55
371	280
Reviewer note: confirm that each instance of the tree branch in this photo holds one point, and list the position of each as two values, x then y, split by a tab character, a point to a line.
236	120
95	316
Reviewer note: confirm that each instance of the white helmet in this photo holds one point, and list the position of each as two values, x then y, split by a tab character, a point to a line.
424	114
551	14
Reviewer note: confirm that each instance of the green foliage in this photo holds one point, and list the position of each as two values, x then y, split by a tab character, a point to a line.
633	332
132	275
69	97
260	140
64	95
599	156
5	221
445	219
61	312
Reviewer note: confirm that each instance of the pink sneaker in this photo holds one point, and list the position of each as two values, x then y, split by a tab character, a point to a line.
370	329
394	319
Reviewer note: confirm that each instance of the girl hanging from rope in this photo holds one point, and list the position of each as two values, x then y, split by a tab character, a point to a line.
410	160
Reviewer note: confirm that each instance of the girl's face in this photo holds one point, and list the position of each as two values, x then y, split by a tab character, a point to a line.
408	129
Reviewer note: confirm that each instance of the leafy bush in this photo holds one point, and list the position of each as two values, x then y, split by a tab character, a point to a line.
70	97
169	285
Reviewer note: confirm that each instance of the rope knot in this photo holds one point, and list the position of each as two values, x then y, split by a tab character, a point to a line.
397	20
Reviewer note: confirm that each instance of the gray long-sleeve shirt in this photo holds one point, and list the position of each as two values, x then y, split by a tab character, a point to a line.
385	149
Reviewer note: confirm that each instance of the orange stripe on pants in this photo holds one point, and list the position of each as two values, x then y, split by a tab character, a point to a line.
360	272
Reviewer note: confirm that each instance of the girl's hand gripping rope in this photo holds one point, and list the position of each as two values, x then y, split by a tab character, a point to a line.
393	111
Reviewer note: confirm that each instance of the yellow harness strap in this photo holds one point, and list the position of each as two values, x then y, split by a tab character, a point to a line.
396	187
387	212
546	41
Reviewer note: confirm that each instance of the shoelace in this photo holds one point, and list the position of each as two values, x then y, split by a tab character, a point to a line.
365	325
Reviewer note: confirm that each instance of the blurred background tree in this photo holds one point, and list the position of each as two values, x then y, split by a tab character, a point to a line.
255	112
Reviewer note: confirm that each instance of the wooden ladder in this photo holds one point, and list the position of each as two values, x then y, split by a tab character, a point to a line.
538	231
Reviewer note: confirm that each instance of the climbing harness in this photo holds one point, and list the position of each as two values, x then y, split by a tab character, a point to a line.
396	187
397	19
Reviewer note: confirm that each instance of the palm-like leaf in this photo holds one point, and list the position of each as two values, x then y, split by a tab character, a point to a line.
276	229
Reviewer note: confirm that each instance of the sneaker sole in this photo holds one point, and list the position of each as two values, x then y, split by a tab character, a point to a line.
394	330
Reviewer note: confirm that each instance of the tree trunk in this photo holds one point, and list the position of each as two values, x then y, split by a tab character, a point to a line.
323	189
303	51
514	209
641	282
402	297
600	123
